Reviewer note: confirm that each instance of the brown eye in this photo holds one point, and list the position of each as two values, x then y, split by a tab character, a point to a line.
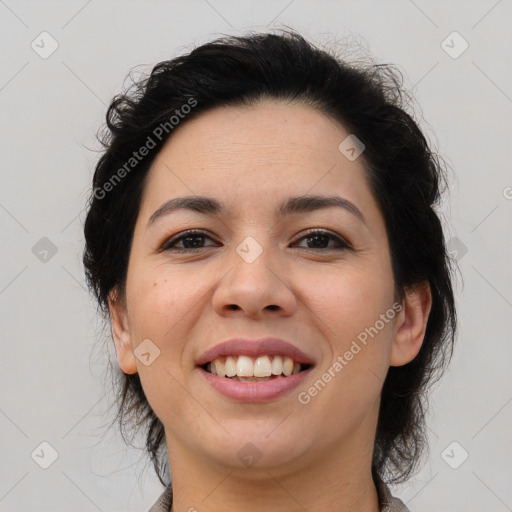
190	240
319	239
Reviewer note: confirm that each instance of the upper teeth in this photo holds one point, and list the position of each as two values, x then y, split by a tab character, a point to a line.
245	366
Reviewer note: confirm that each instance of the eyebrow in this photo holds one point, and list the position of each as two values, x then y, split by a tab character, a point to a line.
293	205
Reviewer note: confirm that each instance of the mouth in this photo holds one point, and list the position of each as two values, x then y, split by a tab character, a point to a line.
255	370
261	368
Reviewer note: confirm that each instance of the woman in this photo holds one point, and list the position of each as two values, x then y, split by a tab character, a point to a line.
262	236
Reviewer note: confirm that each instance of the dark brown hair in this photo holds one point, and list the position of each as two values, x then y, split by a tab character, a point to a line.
404	175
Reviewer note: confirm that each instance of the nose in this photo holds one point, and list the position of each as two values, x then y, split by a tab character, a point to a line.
256	289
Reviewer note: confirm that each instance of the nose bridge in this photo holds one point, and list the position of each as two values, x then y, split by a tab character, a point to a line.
254	284
250	250
252	264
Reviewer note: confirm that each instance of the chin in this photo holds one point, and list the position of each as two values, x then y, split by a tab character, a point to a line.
263	448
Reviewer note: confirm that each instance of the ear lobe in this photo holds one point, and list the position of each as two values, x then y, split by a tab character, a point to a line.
121	334
411	324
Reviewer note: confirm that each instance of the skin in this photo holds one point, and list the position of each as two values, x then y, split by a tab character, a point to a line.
314	457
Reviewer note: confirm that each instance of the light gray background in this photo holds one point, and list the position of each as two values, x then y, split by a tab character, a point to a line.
51	360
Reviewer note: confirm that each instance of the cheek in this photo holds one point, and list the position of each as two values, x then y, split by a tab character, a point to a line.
346	301
155	310
159	299
347	308
161	307
164	308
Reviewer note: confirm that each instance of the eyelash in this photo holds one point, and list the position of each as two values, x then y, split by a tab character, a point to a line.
342	244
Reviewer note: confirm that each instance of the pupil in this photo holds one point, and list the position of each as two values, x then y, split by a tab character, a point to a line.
196	238
316	238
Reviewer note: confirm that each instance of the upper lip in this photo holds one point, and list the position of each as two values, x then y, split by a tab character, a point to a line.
254	348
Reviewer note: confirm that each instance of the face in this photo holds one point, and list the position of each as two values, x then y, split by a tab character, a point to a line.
318	277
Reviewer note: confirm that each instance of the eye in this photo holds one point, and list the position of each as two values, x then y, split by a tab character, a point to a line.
194	240
318	238
191	240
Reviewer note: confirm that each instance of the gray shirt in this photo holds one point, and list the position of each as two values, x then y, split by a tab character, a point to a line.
389	503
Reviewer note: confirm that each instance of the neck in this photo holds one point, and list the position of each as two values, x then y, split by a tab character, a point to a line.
336	480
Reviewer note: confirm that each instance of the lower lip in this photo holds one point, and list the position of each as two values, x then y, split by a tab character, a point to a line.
263	391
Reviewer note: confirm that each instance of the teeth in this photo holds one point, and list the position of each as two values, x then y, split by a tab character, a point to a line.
230	367
287	366
257	369
262	367
277	365
251	379
219	368
245	367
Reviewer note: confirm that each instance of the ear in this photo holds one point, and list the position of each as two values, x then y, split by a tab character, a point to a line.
121	333
411	324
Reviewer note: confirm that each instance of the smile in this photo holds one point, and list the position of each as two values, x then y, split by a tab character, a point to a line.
254	369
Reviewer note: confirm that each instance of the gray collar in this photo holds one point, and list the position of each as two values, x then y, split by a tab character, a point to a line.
388	502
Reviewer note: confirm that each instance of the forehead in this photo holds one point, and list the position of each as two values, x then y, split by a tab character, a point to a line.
267	129
253	154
